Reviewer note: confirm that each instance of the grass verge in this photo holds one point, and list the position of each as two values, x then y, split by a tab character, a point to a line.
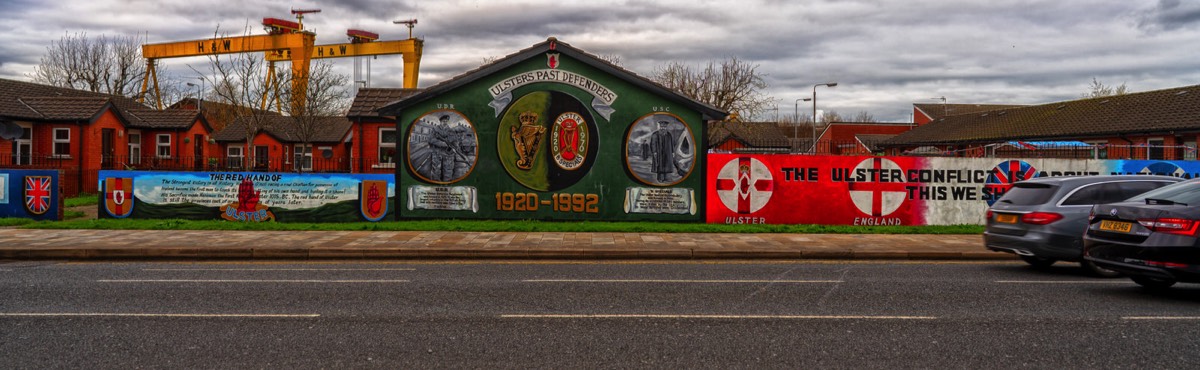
496	226
82	200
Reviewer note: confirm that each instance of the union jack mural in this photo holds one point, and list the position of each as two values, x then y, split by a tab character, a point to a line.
37	194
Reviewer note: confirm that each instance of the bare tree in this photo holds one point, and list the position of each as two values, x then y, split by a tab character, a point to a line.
863	116
1098	89
327	96
730	85
831	116
240	83
110	65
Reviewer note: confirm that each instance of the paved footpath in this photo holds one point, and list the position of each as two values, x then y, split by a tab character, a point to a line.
186	244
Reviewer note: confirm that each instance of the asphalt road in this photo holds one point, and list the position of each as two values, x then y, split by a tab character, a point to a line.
587	315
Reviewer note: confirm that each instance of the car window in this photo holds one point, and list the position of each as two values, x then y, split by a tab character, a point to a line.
1026	194
1170	192
1086	195
1125	190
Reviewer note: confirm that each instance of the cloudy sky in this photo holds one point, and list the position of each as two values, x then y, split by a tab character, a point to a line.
885	55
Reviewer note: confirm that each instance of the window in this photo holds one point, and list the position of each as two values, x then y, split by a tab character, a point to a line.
304	157
234	157
1099	149
164	145
1154	149
387	145
62	142
1189	150
135	147
1028	194
1110	192
22	149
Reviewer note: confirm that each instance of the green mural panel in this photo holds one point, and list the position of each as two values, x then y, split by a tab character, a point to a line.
568	142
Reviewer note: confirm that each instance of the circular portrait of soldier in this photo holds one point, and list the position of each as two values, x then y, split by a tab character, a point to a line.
659	149
442	147
546	140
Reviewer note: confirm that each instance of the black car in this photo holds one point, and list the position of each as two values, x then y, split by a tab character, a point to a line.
1154	238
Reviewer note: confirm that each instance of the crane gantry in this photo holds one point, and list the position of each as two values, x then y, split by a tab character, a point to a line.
286	41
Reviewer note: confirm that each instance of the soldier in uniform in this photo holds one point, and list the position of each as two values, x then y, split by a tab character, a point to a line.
442	145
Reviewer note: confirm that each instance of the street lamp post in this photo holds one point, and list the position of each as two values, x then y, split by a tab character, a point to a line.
796	125
201	91
814	116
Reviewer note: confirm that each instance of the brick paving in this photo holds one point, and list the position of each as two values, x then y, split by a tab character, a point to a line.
188	244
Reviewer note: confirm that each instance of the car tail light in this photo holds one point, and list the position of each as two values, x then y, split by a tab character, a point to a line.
1167	264
1171	225
989	214
1040	218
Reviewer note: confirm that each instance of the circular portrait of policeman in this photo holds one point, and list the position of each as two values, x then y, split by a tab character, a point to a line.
442	147
660	149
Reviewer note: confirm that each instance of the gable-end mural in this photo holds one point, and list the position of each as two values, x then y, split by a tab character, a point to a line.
551	135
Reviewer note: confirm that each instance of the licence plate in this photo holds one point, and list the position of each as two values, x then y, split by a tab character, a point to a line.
1118	226
1006	219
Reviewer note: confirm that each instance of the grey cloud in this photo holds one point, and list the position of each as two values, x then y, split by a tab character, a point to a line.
1170	15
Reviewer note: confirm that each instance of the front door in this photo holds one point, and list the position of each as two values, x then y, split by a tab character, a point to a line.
198	152
108	151
262	157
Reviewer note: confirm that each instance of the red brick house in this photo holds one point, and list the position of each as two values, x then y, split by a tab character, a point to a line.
1160	124
857	138
749	137
81	132
374	136
281	146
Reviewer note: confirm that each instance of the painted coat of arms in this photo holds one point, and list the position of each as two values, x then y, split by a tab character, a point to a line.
37	194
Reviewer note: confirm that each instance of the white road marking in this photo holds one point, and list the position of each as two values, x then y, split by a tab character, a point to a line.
1063	282
93	314
1160	318
719	317
678	281
267	269
248	281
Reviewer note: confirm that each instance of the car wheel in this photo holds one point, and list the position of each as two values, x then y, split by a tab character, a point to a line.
1152	283
1098	271
1038	262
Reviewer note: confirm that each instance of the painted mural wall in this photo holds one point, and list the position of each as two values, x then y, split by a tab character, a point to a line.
247	197
865	190
553	139
34	194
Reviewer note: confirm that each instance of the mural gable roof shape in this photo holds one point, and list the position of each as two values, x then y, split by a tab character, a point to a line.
1175	109
368	100
707	112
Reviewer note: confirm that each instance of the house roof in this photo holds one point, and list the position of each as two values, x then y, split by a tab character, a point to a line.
368	100
938	110
12	91
1159	111
752	134
36	102
871	141
65	108
707	112
286	129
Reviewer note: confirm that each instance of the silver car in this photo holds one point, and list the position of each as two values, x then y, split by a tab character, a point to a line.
1042	220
